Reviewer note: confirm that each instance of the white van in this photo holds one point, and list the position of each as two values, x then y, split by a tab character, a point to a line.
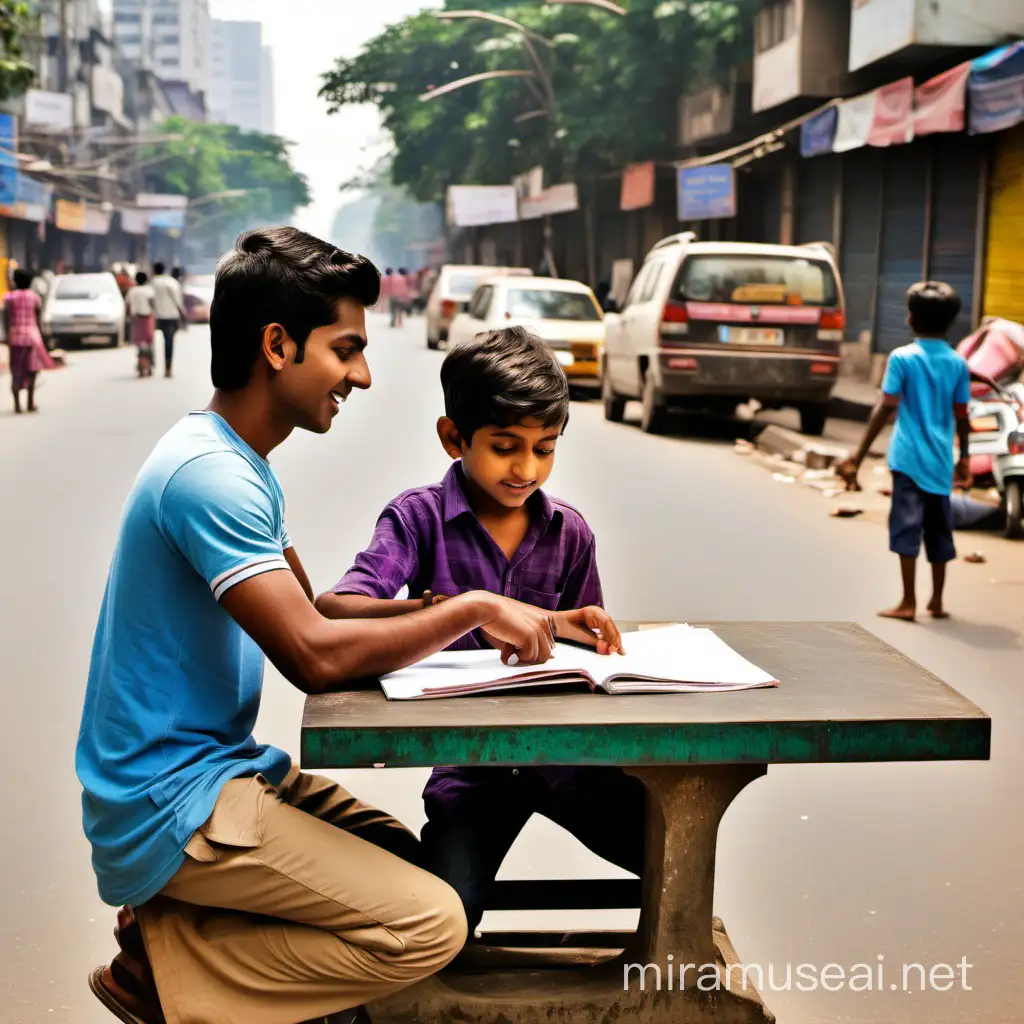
452	291
708	325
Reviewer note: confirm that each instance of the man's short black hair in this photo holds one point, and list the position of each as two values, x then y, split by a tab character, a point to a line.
279	276
933	305
141	277
500	379
158	268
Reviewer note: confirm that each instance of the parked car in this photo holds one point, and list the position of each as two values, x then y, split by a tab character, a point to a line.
564	314
708	325
84	306
198	295
451	294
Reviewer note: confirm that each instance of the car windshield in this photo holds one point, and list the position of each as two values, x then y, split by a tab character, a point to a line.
781	280
86	286
462	286
549	304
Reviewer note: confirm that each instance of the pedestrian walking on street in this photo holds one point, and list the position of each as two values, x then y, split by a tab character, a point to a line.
28	355
927	384
140	303
254	892
169	306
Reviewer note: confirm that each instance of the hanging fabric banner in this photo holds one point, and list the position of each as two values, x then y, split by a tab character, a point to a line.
940	103
893	123
853	125
818	133
637	186
995	90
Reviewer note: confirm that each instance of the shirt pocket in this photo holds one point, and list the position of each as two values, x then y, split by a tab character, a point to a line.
546	599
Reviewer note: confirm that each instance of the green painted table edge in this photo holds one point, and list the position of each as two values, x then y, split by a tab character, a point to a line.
686	744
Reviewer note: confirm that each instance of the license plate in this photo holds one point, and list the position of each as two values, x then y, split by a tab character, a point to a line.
750	335
564	357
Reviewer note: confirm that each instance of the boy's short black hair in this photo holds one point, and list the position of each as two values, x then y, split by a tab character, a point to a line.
502	378
933	306
158	268
141	277
23	278
284	276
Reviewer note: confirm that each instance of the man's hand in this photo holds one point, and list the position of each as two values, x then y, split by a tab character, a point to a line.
847	471
519	630
962	474
591	625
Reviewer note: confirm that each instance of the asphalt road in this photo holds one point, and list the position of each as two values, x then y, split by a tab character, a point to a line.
817	864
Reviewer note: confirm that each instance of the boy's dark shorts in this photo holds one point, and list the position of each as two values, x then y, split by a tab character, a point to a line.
916	514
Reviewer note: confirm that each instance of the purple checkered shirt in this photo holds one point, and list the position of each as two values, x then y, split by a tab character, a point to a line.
429	538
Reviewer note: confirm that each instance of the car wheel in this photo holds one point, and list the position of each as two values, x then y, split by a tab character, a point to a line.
1014	508
653	412
614	405
813	419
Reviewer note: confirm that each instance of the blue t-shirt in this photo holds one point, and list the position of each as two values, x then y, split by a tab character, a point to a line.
930	378
174	683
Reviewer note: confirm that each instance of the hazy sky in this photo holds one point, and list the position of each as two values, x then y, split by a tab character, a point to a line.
306	36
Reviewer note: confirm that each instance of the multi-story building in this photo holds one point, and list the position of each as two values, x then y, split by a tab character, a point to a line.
241	82
170	38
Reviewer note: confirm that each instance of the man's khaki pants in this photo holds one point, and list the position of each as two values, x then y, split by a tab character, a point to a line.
295	902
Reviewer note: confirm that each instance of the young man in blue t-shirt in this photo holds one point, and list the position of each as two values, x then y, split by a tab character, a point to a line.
928	385
254	892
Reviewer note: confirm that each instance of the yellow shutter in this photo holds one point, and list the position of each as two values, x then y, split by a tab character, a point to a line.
1004	253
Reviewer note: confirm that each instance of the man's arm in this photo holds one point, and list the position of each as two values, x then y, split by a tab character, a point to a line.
962	474
318	655
296	567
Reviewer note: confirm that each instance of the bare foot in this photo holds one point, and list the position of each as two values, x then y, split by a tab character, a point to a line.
936	610
901	612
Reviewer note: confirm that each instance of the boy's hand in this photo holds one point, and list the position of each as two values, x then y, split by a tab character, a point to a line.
962	474
847	471
591	625
525	635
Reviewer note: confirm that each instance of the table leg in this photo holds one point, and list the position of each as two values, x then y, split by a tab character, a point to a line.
685	806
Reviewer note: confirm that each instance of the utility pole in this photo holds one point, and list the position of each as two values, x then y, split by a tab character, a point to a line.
62	47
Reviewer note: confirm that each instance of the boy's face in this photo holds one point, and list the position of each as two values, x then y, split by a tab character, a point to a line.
507	464
334	363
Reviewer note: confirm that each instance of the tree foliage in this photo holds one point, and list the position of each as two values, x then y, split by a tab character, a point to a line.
16	74
207	160
616	83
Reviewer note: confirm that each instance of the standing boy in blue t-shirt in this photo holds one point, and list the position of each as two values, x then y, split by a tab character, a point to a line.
928	384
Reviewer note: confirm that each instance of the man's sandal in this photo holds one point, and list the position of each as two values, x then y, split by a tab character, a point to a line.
109	1000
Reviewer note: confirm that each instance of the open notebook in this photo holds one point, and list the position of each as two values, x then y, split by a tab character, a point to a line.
673	659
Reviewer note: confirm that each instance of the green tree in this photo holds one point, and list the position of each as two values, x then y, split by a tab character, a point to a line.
616	84
16	74
208	160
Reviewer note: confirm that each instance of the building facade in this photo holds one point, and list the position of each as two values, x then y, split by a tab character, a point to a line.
241	85
170	38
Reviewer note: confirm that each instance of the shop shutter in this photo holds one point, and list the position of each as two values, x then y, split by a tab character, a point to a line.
1004	254
858	258
952	247
815	199
901	262
771	227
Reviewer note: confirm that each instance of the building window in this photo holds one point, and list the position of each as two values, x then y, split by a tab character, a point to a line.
174	40
134	40
122	18
165	19
774	25
168	62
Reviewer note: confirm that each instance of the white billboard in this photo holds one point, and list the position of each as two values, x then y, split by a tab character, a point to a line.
49	109
475	205
556	199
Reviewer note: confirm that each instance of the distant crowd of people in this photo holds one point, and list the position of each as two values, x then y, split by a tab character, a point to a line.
402	293
156	304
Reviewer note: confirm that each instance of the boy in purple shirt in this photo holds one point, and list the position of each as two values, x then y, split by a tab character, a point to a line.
488	526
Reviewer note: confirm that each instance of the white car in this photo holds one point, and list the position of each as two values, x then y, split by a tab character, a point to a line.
708	325
565	314
81	306
451	294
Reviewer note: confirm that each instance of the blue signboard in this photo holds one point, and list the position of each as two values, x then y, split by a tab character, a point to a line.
32	192
706	193
817	133
8	159
169	220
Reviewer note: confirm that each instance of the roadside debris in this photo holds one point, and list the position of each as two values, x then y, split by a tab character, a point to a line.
845	513
783	478
975	558
743	447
